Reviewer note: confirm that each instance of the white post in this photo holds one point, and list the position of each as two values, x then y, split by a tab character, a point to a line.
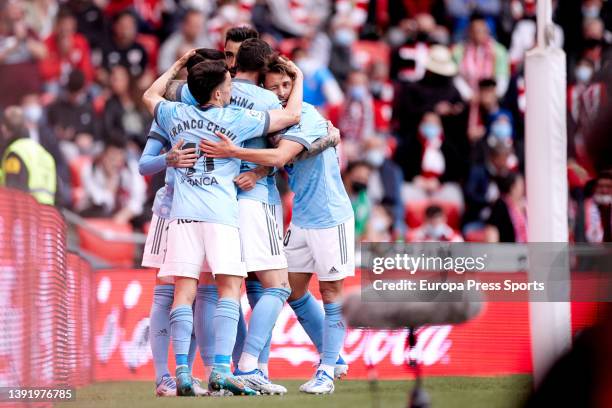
546	178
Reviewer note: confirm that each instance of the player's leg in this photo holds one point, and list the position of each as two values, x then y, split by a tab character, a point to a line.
184	257
205	305
223	251
163	296
159	333
267	287
334	259
301	264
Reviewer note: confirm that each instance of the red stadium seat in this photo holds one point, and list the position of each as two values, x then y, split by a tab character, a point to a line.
151	45
120	254
452	211
415	213
366	52
477	235
76	167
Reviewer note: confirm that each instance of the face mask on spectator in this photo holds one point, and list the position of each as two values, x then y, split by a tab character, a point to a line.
33	113
358	186
345	36
380	225
375	157
590	11
583	74
502	130
430	130
435	231
358	92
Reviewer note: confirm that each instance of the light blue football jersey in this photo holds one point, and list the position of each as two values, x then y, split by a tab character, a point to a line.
320	198
207	191
162	204
247	95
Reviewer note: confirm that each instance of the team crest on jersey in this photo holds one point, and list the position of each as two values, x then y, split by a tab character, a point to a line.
255	114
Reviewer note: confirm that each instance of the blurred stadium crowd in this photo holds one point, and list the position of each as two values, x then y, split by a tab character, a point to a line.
429	96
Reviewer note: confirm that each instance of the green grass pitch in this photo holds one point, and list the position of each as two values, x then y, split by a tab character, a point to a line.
472	392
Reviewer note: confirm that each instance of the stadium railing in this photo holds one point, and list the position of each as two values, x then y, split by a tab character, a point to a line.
46	299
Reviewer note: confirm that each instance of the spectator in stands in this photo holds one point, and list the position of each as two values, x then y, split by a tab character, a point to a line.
122	48
461	11
340	59
434	93
435	228
508	219
67	50
430	177
124	116
385	183
320	87
481	57
379	227
485	111
356	178
20	51
112	186
357	118
39	130
73	119
25	164
481	190
192	34
40	16
598	208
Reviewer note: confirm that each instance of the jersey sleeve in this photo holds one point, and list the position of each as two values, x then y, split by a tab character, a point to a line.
183	94
159	134
165	113
251	124
296	134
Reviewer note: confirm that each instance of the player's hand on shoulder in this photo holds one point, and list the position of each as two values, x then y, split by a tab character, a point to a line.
333	132
221	149
181	158
246	181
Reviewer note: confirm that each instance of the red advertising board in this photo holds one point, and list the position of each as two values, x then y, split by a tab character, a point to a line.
497	342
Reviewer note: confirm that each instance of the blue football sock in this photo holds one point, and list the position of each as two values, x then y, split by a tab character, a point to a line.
333	333
193	347
205	305
159	328
264	356
262	322
226	319
181	327
311	317
241	334
254	291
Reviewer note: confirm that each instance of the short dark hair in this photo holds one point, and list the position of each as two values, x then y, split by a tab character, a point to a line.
240	34
64	12
357	163
487	83
203	78
477	17
433	211
253	55
76	81
125	13
204	54
190	12
276	65
115	142
504	184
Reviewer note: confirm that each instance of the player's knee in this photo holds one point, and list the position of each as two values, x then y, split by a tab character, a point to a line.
297	293
331	292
